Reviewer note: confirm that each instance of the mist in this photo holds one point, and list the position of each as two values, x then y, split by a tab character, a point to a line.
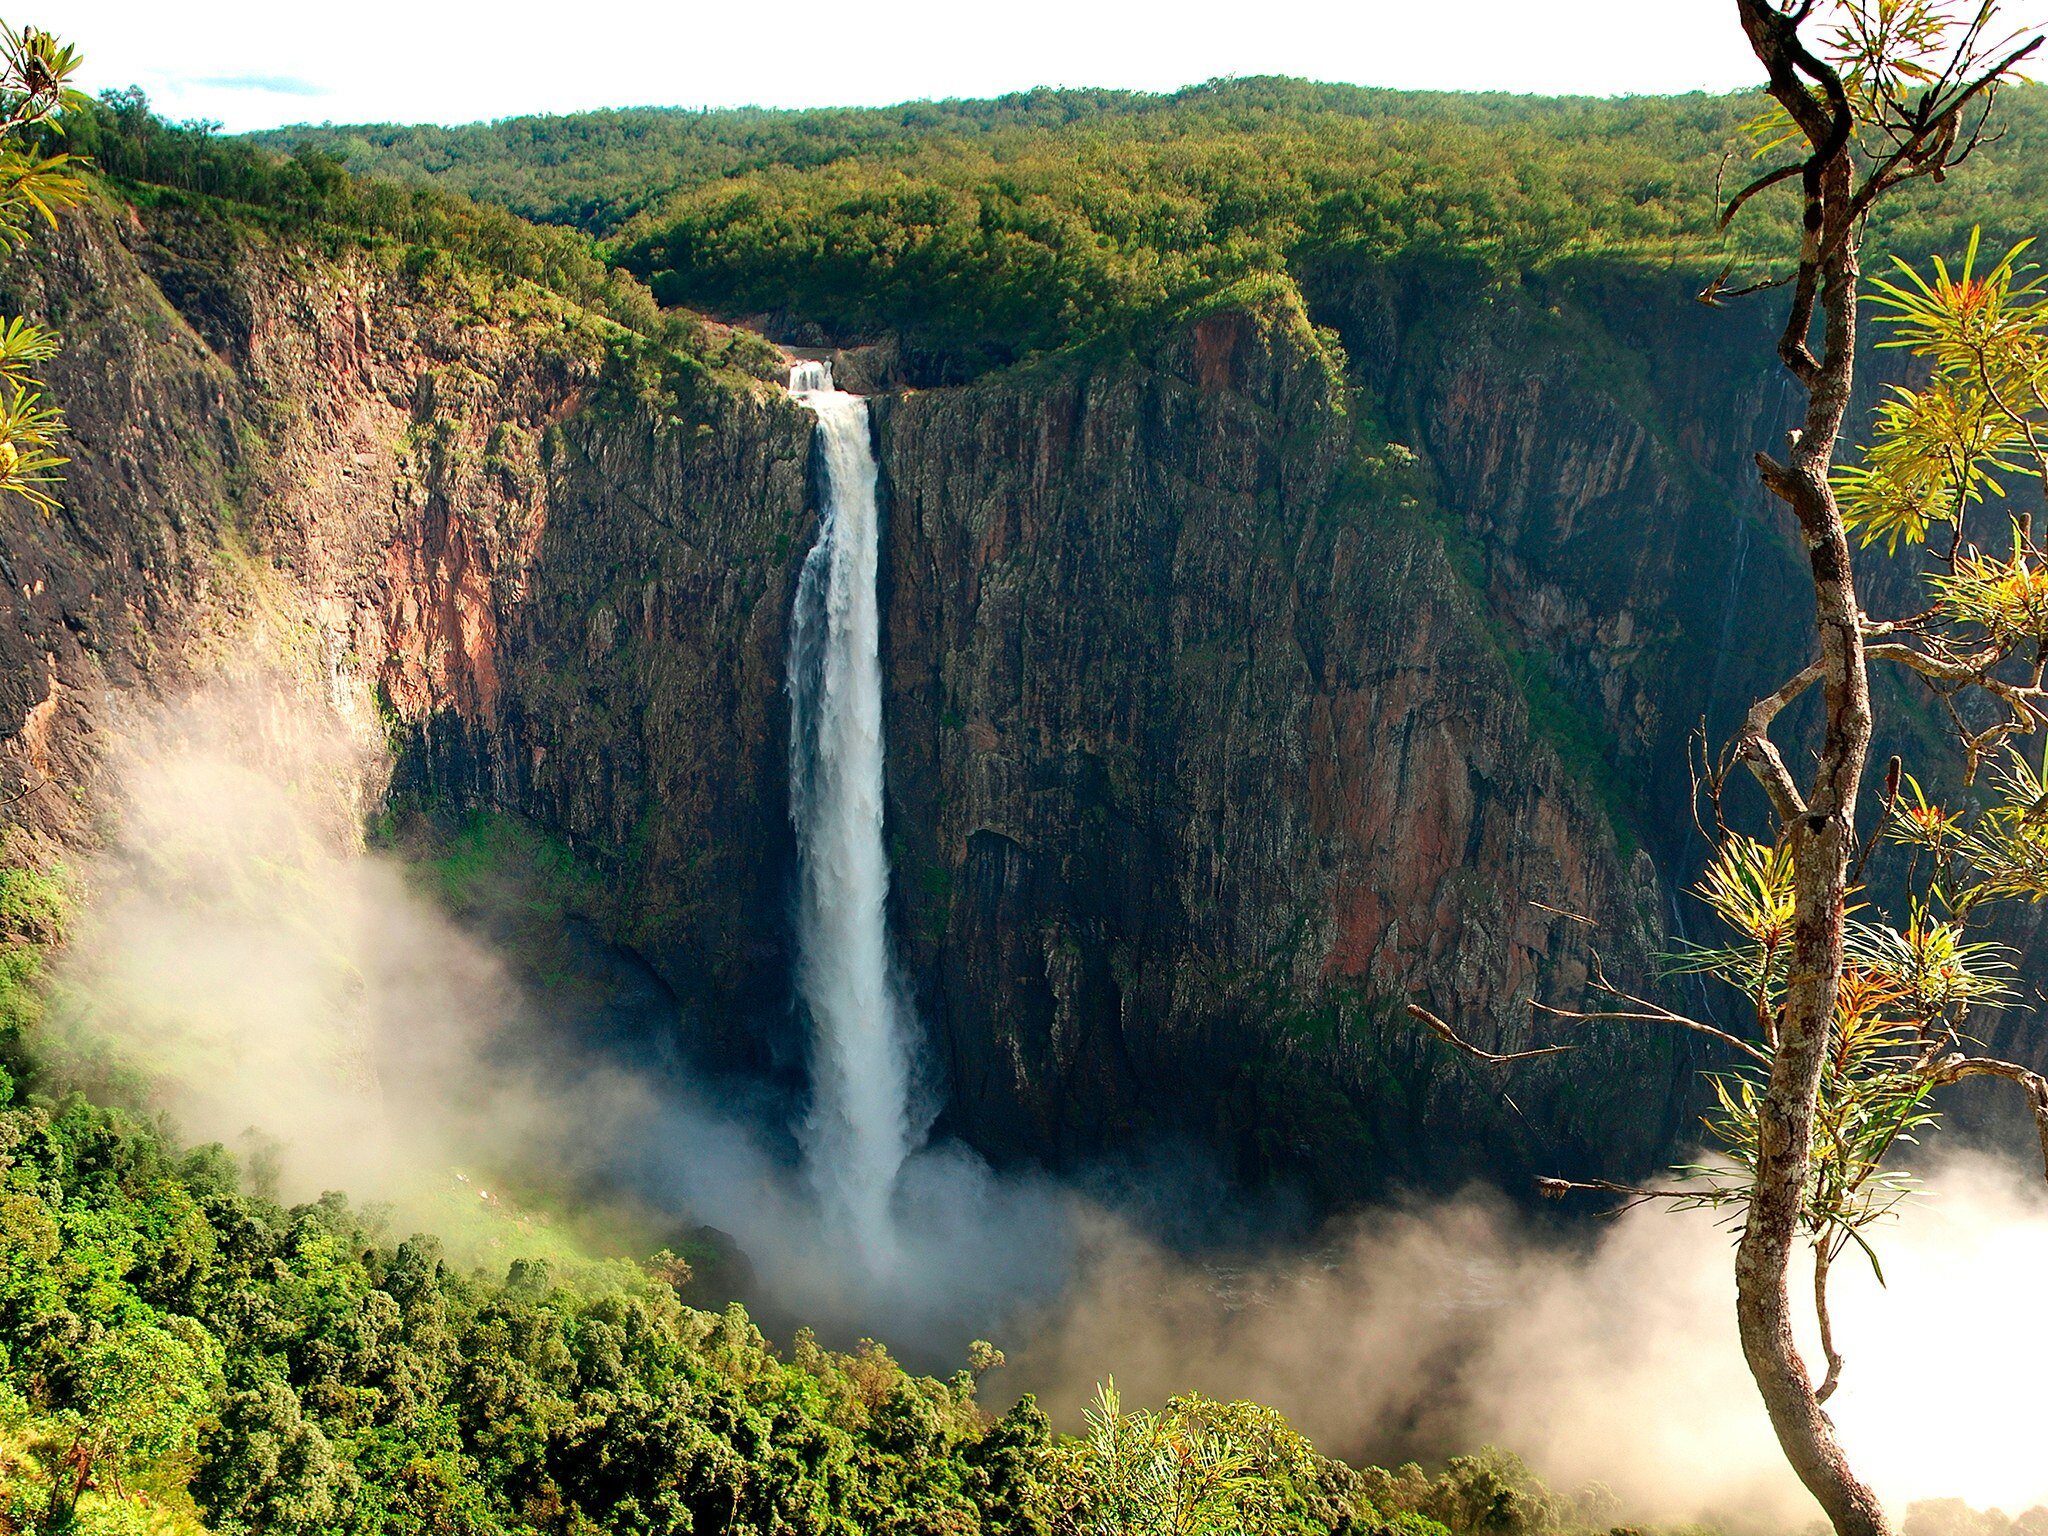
252	971
268	982
246	965
1607	1359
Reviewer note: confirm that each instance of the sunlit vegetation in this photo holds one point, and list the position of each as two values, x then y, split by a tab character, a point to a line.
36	184
987	232
179	1352
992	230
145	159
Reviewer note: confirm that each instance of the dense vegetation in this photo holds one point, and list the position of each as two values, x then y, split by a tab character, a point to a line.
991	230
985	232
179	1351
147	158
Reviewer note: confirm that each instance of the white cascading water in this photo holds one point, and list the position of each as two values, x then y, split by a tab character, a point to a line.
860	1128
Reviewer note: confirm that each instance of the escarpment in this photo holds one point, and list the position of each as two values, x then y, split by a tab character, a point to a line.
1237	691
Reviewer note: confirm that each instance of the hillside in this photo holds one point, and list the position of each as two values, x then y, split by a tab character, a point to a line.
982	232
540	556
1160	652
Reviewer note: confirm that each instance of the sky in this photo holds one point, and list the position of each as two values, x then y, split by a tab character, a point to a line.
261	63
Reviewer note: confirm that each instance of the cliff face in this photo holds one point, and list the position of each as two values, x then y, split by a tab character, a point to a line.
1233	698
550	569
1235	707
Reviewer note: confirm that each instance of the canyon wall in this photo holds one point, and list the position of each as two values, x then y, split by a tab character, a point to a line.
1316	660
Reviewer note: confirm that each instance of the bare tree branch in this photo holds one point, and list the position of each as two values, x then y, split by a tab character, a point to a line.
1557	1189
1451	1037
1576	917
20	795
1931	150
1651	1013
2028	701
1953	1069
1823	1260
1763	183
1718	291
1754	748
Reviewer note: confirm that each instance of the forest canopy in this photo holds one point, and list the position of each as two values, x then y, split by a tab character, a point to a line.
996	229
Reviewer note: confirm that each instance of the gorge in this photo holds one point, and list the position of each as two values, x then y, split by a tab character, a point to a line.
1142	621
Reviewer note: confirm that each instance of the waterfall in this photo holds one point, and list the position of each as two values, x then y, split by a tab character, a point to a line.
860	1129
813	379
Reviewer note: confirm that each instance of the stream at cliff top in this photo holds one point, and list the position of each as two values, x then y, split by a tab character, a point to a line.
861	1126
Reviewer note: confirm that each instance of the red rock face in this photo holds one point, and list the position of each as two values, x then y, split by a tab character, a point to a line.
1203	760
440	628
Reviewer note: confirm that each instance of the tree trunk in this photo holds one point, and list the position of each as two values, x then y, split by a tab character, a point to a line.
75	1469
1822	831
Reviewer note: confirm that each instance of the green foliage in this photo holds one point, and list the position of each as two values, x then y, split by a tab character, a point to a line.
160	1327
1026	238
33	914
325	1379
1154	1474
1903	993
1908	988
311	191
1585	747
486	859
1943	447
176	1347
1197	1468
1492	1493
35	96
133	1395
985	231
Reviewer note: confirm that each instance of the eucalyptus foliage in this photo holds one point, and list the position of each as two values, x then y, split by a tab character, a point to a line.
35	94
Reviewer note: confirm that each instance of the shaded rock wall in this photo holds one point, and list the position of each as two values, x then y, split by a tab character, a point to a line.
1208	755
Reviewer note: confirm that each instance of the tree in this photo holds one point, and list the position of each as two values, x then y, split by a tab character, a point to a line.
1198	1467
133	1396
1151	1474
265	1466
1853	1023
35	70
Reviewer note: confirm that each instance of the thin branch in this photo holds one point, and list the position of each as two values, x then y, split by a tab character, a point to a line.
1718	291
1754	748
1872	628
1451	1037
1953	1069
1823	1259
2030	703
20	795
1927	149
1892	773
1651	1013
1763	183
1557	1189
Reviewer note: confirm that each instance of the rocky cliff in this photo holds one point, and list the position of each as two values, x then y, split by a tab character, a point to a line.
1237	692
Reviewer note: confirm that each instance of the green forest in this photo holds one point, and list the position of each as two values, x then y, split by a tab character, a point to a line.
990	231
986	233
179	1352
